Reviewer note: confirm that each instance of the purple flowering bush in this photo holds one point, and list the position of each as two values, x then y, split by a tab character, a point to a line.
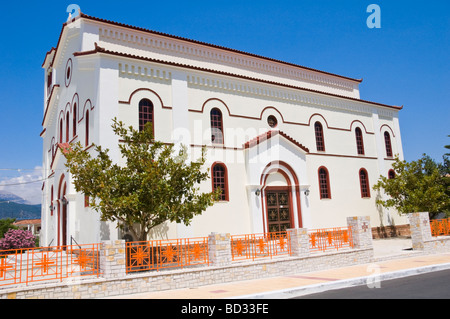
17	239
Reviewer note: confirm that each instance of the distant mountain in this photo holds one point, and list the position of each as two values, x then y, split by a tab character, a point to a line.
13	206
6	196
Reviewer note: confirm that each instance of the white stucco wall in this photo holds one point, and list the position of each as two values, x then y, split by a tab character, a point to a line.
112	86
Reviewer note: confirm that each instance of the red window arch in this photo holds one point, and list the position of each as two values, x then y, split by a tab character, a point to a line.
359	141
387	142
320	143
364	183
145	113
324	183
220	179
216	126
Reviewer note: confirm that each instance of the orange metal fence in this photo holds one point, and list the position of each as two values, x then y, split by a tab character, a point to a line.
160	254
330	238
52	263
440	227
260	245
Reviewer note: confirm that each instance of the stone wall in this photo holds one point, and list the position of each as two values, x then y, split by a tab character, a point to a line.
114	281
421	235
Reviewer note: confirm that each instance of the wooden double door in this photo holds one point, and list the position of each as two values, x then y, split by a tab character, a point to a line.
279	209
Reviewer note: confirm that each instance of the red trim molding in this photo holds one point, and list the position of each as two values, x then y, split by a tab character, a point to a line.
98	49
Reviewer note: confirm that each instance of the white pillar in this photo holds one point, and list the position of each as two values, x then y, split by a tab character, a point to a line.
180	126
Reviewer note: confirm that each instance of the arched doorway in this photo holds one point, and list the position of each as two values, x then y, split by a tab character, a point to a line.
62	212
279	209
280	198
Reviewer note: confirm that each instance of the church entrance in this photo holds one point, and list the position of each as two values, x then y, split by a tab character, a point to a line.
278	201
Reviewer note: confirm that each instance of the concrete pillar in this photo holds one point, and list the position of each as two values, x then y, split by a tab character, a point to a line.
419	224
113	259
219	249
299	242
361	232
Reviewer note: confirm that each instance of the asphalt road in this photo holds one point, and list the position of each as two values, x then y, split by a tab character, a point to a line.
434	285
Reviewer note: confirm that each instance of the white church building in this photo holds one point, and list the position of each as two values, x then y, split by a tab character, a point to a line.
291	146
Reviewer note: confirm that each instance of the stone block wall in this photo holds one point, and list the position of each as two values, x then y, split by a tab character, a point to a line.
361	232
115	281
219	249
113	259
421	235
299	242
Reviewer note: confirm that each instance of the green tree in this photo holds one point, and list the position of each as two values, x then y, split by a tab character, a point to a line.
418	186
5	225
154	186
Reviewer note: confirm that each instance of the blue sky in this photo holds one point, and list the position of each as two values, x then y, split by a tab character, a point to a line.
405	62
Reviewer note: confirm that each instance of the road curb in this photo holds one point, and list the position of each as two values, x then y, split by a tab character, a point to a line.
373	280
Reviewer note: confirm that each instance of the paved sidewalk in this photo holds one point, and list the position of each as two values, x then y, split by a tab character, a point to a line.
393	259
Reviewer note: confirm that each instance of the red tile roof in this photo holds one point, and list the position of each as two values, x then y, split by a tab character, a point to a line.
269	135
27	222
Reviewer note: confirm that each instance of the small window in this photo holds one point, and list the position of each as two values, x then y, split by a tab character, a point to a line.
359	141
145	113
391	174
216	126
272	121
324	183
74	120
67	126
61	131
387	142
49	82
364	183
87	128
220	180
320	143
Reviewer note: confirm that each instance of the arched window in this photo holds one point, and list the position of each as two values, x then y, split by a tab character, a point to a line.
359	141
67	126
320	143
364	183
87	128
220	179
387	142
61	131
324	183
145	114
74	120
391	174
216	126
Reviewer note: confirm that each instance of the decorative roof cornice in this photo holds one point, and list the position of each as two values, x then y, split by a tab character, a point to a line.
87	17
101	50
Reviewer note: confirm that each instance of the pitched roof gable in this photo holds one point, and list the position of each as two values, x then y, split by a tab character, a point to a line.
268	135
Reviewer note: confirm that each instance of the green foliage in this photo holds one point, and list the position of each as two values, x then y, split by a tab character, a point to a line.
154	186
5	225
419	186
